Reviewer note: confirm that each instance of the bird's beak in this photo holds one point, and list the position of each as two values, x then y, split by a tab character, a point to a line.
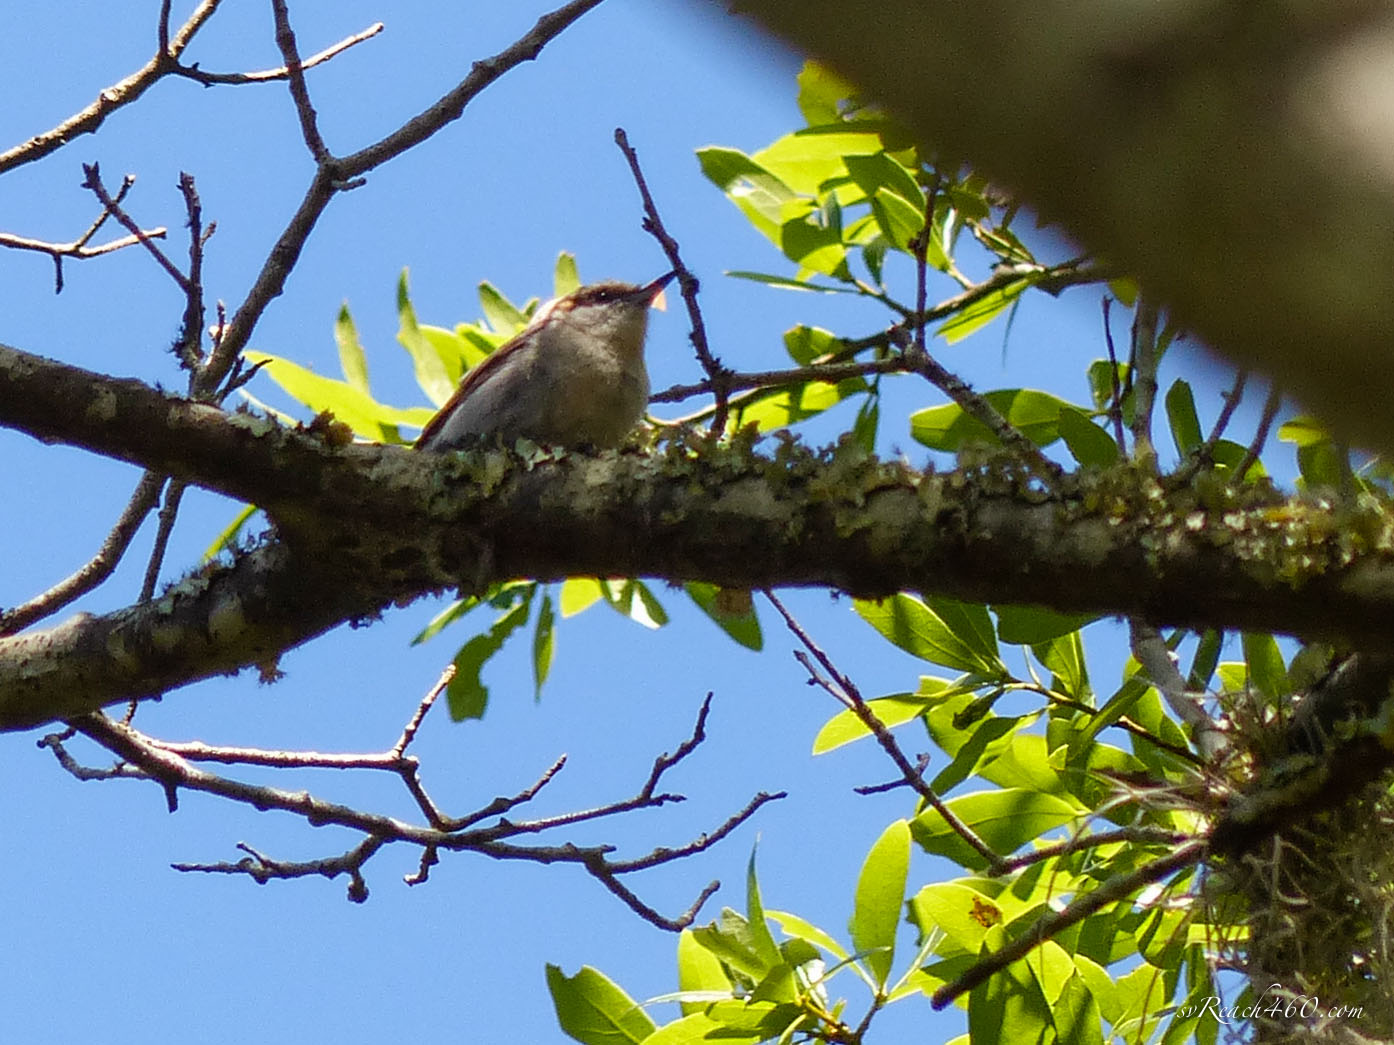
653	292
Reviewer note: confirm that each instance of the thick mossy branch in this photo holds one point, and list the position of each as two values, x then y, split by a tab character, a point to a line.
362	527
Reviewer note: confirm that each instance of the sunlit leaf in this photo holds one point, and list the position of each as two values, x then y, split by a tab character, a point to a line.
565	277
1181	416
1028	625
544	643
431	373
880	893
698	970
580	593
788	283
227	539
467	694
592	1009
983	311
1267	673
733	615
352	360
1035	414
367	418
1089	444
920	631
1004	819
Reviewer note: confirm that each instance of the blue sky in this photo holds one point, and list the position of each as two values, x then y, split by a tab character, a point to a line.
101	938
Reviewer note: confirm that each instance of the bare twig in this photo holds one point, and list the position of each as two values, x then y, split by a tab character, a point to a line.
717	373
1152	653
1115	406
174	494
76	249
117	95
172	766
334	176
1144	373
1271	406
919	248
978	408
845	691
97	569
419	715
1112	891
93	182
295	73
764	380
191	329
193	72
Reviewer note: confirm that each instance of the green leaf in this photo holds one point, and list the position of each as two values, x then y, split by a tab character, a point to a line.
880	893
1101	380
971	748
579	594
565	277
845	726
808	345
1028	625
1076	1014
952	634
445	618
467	694
1008	1008
879	173
1004	819
760	195
1181	415
793	925
760	934
806	159
634	600
352	360
984	310
782	407
544	643
1064	658
1203	664
901	223
787	283
733	940
820	92
365	416
698	970
1117	706
500	313
700	1028
866	423
1267	673
592	1009
1303	431
813	247
431	373
1229	454
959	911
227	539
1025	763
1033	413
732	615
1089	444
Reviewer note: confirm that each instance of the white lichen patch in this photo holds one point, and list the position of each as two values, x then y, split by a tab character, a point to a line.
101	408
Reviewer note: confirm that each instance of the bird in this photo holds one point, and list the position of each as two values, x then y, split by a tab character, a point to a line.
573	377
